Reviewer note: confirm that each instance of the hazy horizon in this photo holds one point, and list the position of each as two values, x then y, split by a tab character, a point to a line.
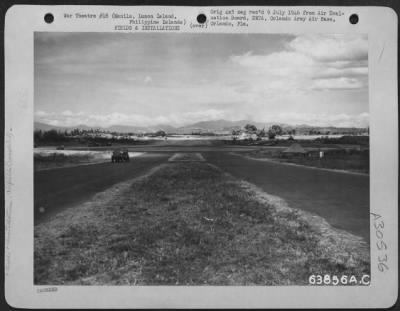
147	79
191	124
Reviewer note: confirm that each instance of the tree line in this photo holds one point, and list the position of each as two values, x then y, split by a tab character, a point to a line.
57	136
271	133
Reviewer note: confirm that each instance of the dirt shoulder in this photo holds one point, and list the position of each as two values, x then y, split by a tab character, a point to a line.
189	223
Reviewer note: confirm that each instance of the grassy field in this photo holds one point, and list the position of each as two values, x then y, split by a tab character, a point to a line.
188	223
352	161
57	160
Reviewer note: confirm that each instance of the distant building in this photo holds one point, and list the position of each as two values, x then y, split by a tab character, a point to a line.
245	135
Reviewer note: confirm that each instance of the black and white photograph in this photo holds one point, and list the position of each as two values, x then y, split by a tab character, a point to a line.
231	159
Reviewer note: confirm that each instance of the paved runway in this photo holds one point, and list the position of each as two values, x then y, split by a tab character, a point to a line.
342	199
57	189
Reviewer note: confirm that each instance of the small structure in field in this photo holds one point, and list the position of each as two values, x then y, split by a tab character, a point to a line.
294	150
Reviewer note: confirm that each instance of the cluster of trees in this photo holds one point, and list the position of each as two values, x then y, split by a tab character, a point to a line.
84	136
50	136
54	135
160	133
271	133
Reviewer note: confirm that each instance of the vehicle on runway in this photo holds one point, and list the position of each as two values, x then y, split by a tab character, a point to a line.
120	156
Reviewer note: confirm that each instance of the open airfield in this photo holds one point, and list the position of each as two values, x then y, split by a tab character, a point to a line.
185	205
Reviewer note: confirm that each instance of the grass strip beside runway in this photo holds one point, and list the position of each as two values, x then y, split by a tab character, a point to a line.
189	223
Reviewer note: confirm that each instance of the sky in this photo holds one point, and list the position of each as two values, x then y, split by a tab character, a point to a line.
144	79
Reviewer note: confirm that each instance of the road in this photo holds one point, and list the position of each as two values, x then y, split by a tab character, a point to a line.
342	199
57	189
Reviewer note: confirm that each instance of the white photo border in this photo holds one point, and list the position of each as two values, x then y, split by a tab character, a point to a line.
22	21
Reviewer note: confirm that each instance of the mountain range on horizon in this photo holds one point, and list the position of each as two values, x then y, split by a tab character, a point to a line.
211	126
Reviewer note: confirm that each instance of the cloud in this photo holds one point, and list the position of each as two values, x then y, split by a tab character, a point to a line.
184	118
69	113
337	83
324	119
41	113
331	48
68	118
111	79
278	64
147	80
340	61
334	72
